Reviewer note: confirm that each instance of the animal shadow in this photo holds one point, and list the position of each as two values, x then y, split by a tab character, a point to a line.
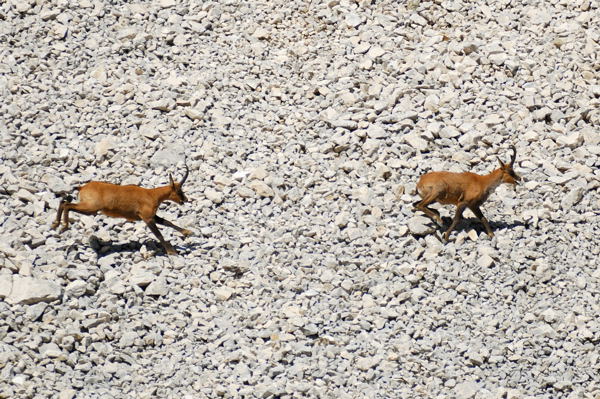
104	248
468	223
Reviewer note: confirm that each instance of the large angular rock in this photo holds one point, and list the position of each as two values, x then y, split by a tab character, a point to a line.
421	225
29	290
6	282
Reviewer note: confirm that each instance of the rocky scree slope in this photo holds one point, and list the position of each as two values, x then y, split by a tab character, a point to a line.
306	126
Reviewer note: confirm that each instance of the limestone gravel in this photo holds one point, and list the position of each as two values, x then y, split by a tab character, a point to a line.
306	126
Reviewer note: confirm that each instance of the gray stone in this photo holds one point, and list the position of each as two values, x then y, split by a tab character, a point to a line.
223	293
466	390
29	290
76	288
572	198
6	281
416	141
377	131
50	350
158	287
213	195
421	225
261	188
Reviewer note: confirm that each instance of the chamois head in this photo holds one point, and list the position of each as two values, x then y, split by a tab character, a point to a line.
508	174
177	194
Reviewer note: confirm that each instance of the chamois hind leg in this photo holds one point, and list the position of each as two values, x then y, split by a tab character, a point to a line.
477	211
459	211
166	245
432	213
58	214
165	222
80	207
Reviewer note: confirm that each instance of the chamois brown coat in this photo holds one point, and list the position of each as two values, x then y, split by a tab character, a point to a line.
464	190
129	202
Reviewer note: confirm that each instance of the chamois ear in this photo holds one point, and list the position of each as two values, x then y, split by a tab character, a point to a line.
500	162
171	182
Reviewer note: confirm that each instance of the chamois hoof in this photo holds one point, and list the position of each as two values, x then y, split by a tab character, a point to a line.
54	225
172	251
186	232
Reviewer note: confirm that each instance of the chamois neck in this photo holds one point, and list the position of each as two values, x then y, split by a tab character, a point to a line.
494	179
161	193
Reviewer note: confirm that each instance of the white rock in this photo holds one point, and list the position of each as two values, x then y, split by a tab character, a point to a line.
417	19
60	31
104	146
158	287
341	219
370	147
223	293
149	131
549	315
416	141
473	235
485	261
421	225
127	33
572	198
466	390
50	350
5	285
432	103
353	20
195	113
76	288
573	140
213	195
223	180
141	277
29	290
128	339
67	394
366	363
167	3
261	33
261	188
493	119
377	131
259	173
375	52
364	195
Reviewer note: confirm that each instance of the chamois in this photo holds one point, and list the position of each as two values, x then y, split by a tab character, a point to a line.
465	190
130	202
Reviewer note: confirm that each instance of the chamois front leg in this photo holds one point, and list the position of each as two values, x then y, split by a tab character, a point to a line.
459	211
165	222
477	211
154	229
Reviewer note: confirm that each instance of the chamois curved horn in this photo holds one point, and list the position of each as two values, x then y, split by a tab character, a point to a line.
187	172
514	155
